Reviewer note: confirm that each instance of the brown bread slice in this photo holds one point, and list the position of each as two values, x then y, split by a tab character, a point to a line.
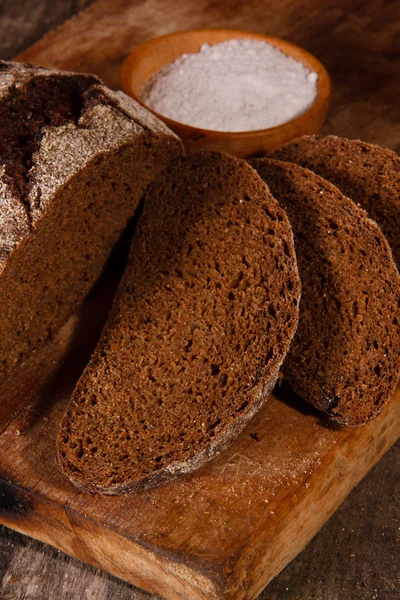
367	174
199	327
75	159
345	356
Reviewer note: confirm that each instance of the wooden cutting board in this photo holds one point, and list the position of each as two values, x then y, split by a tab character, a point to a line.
226	530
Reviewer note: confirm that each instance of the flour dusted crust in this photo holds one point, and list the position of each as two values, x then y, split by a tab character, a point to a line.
75	161
200	325
65	150
14	222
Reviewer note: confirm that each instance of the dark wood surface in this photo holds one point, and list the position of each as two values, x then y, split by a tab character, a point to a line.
355	556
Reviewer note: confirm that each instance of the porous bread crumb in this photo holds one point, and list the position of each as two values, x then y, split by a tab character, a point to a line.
366	173
198	330
345	356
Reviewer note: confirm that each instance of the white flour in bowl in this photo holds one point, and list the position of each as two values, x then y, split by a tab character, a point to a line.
238	85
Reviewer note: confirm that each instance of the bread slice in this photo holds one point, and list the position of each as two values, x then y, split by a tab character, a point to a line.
75	159
345	356
367	174
199	327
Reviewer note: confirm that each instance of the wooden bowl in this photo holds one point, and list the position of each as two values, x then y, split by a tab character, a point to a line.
149	57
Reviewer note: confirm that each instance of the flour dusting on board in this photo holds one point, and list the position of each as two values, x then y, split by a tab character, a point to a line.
238	85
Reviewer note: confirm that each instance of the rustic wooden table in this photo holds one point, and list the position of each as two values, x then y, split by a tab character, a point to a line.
355	556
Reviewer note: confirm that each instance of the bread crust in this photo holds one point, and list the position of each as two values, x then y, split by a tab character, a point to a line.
65	193
64	150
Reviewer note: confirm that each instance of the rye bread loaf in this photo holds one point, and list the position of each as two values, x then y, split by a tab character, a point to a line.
75	159
345	356
199	327
367	174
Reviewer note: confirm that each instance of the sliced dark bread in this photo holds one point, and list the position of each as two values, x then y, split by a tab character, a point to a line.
75	159
345	356
200	325
367	174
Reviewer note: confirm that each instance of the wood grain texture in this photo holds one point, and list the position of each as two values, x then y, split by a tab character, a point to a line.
348	559
358	42
23	22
